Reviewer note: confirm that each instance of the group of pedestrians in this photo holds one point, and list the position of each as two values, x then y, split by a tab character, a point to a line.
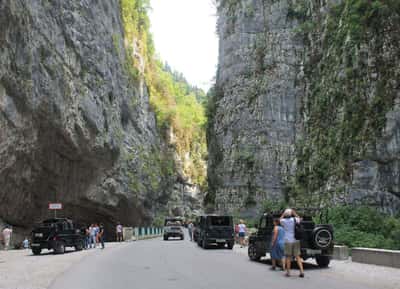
284	246
94	235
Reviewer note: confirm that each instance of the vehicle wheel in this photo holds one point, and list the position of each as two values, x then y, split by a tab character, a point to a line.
230	245
79	246
165	238
182	238
323	261
322	238
36	251
204	244
60	248
252	252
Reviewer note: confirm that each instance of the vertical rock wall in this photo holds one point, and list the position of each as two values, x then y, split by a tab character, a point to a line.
268	130
257	102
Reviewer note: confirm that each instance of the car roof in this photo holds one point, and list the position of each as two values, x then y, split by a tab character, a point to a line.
56	220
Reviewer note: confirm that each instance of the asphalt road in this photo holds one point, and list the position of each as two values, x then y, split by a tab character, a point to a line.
157	264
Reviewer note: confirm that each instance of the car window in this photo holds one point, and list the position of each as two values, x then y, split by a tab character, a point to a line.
263	223
220	221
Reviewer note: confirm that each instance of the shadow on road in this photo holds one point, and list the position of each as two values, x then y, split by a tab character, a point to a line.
48	253
307	265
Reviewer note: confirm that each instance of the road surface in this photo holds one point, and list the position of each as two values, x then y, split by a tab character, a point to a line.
157	264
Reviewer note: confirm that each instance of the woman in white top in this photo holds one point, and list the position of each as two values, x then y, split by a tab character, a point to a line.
242	233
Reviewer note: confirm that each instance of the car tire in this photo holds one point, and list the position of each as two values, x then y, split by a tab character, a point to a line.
79	246
36	251
182	238
60	248
252	252
230	245
165	238
204	244
323	261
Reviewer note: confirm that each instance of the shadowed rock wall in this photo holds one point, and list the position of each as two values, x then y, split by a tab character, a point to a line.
74	127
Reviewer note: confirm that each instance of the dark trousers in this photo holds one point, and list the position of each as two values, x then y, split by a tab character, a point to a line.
119	237
101	239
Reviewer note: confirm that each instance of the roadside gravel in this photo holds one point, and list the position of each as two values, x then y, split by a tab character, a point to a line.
371	275
19	269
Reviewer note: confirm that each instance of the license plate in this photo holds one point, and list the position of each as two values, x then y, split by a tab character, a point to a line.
35	245
313	252
220	240
39	235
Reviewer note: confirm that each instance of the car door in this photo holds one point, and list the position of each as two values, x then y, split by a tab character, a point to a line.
261	236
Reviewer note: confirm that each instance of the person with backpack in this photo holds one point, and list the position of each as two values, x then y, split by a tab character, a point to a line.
288	220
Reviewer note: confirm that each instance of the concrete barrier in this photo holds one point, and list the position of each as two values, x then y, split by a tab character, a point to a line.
389	258
340	253
127	233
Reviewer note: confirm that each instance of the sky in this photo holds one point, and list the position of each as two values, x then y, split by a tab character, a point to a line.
185	36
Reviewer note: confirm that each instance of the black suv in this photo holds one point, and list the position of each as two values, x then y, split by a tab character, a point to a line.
56	234
173	228
316	242
213	229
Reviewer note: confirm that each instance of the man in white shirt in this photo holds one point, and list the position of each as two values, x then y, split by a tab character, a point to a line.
289	219
119	230
7	237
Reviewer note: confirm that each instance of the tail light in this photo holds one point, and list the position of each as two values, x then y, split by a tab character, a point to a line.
56	238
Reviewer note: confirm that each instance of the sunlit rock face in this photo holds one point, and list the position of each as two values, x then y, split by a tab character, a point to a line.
275	60
73	126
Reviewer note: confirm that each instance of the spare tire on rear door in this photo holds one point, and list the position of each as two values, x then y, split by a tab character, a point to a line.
322	237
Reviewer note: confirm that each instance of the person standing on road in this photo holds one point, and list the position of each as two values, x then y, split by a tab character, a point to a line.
101	235
242	233
288	221
119	230
97	229
25	243
190	230
7	232
277	245
87	237
92	232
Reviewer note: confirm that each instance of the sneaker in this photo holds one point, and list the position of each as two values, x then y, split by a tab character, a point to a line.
301	275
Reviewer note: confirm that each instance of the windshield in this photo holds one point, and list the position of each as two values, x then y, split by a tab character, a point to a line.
171	221
220	221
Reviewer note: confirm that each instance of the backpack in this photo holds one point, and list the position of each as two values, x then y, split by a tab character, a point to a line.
298	230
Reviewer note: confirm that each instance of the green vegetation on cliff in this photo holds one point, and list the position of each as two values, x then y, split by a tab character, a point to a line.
352	87
178	106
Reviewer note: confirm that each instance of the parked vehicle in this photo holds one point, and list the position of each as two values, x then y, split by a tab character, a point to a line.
173	228
316	242
56	234
213	229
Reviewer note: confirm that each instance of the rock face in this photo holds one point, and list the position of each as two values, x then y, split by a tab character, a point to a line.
292	117
74	127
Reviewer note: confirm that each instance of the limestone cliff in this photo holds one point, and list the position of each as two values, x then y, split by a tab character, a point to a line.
306	104
75	127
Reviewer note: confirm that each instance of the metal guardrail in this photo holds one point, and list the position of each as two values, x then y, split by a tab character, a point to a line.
141	233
